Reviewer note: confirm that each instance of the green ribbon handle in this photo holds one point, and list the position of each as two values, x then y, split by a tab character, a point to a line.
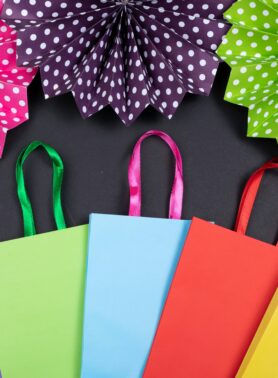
58	172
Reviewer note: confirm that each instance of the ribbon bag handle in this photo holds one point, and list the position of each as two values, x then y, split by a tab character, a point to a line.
249	196
134	177
58	171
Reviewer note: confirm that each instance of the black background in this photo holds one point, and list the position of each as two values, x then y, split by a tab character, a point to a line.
218	159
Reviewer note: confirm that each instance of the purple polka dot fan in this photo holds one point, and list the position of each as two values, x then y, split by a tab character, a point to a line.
125	53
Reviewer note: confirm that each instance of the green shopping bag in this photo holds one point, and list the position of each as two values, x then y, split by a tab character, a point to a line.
41	290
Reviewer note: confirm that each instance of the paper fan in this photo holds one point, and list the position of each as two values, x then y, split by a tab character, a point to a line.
251	49
13	84
126	53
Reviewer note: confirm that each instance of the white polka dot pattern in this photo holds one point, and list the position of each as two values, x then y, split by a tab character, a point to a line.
125	53
13	84
251	49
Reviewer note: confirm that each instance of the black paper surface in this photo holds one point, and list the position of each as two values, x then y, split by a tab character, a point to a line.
218	159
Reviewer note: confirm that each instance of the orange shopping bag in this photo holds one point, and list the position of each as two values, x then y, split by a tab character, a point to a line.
222	287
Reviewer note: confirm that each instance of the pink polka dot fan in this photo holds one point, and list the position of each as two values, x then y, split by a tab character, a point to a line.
13	84
128	54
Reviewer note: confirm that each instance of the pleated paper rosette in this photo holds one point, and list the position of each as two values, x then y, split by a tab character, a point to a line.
13	84
251	49
125	53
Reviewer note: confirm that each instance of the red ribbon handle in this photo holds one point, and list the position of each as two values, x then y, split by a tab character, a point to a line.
134	177
249	196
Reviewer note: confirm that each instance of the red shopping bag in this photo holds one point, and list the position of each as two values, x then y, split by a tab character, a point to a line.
220	292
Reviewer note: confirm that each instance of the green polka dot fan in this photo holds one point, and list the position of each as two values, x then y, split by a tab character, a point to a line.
251	50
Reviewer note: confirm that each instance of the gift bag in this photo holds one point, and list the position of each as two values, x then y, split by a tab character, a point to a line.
42	279
221	289
131	262
261	359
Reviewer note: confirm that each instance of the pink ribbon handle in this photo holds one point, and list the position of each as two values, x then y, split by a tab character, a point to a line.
134	177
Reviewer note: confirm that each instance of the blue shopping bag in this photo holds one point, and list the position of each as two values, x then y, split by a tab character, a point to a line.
131	263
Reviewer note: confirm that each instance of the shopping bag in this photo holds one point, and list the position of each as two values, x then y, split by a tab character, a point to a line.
42	279
221	289
131	262
261	359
